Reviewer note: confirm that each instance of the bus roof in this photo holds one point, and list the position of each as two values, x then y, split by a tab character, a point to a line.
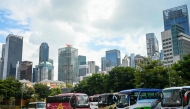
139	89
70	94
181	87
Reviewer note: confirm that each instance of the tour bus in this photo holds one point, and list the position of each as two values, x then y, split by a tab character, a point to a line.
107	101
94	101
176	98
37	105
140	98
68	101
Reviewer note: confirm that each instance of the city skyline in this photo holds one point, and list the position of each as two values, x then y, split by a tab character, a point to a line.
92	27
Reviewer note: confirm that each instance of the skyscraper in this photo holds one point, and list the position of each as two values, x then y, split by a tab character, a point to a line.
132	60
36	74
170	44
177	15
44	52
113	59
68	64
45	71
2	61
26	70
125	61
152	46
82	60
13	54
91	67
103	64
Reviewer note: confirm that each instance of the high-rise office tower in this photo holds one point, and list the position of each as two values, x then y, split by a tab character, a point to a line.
45	71
177	15
125	61
2	61
97	68
113	59
35	74
132	60
170	44
51	61
103	64
26	70
83	70
152	46
13	54
91	67
82	60
68	64
161	55
44	52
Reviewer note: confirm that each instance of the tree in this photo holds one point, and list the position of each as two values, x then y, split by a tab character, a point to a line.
96	84
152	74
42	90
182	68
121	78
55	91
10	88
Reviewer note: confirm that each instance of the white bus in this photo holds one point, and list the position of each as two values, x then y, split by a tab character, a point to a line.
176	98
140	98
94	101
37	105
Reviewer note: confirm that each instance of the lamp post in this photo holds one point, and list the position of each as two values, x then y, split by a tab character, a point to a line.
168	71
22	94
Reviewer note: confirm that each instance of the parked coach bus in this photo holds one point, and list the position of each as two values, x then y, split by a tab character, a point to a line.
68	101
140	98
107	101
176	98
94	101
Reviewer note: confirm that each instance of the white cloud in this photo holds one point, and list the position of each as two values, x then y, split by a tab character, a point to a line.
104	24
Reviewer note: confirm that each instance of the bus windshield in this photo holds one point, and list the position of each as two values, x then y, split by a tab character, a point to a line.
82	100
122	101
172	97
41	105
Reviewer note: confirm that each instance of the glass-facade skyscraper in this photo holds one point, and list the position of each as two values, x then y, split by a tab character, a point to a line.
13	55
68	64
43	52
82	60
103	64
152	46
177	15
113	59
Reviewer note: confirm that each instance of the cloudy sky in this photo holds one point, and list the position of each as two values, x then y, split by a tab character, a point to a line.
91	26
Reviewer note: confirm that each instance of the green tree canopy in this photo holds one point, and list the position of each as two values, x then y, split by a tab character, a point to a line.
182	68
55	91
10	87
121	78
152	74
42	90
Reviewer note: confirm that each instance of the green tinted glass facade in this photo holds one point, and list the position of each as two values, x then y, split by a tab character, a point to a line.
176	29
68	64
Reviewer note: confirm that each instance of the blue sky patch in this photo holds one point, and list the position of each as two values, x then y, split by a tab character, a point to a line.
6	23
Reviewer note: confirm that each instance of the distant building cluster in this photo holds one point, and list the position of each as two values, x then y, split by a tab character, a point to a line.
73	68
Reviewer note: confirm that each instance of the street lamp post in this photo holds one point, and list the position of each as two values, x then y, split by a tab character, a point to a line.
22	94
168	71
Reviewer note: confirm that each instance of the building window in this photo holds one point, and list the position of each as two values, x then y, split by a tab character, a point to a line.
163	40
